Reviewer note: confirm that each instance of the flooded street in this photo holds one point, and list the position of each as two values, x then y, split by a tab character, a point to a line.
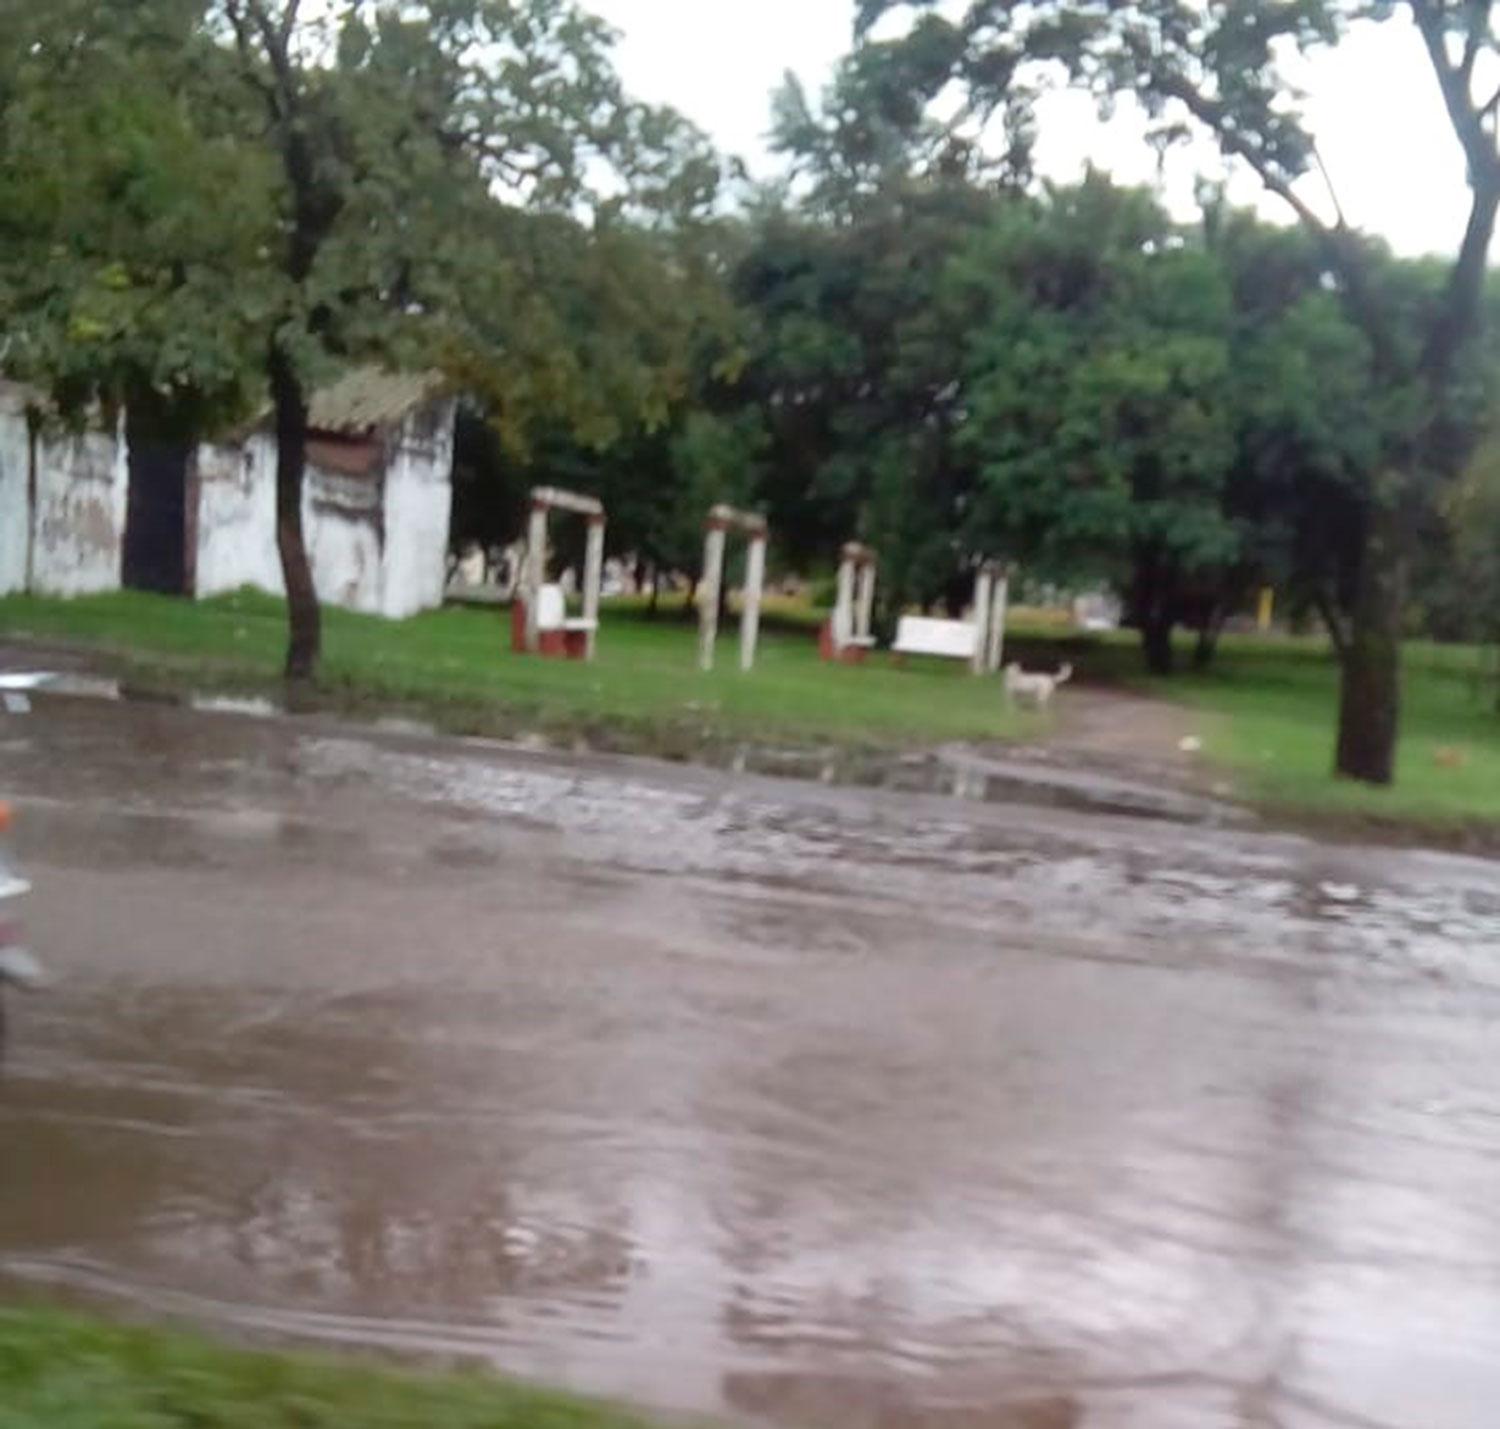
782	1103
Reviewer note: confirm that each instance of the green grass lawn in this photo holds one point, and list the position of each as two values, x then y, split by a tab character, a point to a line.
64	1372
644	690
1278	704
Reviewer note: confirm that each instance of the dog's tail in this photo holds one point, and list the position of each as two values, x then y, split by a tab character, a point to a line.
1064	674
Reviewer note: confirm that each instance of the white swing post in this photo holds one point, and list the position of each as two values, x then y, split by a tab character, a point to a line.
574	637
999	604
984	588
721	520
848	635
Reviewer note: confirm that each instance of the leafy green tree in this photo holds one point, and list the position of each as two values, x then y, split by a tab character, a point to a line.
1220	70
1305	448
1097	394
286	188
850	361
395	128
129	230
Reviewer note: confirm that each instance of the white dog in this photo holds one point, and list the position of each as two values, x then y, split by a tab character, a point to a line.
1034	686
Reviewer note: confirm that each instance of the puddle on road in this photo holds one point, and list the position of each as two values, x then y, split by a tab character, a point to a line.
963	777
911	1187
767	1101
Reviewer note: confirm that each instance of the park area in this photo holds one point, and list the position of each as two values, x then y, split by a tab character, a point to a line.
777	716
1263	712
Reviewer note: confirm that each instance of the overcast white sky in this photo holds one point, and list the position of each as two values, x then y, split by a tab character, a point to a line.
1373	103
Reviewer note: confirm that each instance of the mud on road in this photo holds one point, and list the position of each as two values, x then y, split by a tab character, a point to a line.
782	1103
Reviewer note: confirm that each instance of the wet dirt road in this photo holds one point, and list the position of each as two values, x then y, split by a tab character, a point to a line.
788	1104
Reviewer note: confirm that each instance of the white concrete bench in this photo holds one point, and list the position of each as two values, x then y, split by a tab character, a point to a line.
552	612
924	635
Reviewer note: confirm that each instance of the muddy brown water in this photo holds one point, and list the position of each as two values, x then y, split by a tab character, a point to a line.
780	1103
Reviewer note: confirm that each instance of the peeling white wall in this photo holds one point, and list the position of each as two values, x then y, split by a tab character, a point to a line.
14	513
237	517
377	546
341	522
418	512
79	521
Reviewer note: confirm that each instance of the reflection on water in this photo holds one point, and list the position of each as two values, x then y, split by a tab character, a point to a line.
956	773
806	1105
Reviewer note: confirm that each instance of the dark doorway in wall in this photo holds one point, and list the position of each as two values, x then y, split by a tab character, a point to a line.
156	511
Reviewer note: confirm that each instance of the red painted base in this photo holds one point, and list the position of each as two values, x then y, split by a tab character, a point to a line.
553	644
849	655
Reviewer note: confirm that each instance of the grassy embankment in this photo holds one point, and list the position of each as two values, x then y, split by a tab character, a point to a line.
1276	704
67	1372
643	692
1272	705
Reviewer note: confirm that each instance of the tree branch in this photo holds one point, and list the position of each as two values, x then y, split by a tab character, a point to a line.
1458	311
276	40
1479	25
1488	108
1333	196
1213	114
289	21
1453	81
1339	243
244	43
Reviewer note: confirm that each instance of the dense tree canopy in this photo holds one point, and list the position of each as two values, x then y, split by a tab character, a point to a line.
1222	70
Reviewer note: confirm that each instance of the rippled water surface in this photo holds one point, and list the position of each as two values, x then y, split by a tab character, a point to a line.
782	1103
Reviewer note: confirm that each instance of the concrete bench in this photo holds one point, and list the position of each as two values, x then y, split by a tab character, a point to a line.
552	612
924	635
556	633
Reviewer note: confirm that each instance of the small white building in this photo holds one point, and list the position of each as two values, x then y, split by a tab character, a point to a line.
89	512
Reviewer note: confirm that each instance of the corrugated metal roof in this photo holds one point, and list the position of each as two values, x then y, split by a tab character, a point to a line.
368	397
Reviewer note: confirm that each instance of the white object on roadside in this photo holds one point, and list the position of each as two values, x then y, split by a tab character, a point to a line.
19	681
1190	744
1340	892
19	967
15	703
11	886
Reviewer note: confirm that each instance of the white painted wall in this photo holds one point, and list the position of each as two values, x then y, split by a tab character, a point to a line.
341	524
237	517
387	560
14	515
418	512
342	520
79	521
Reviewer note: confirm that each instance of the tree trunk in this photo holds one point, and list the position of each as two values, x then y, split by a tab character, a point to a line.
304	619
1370	691
655	591
1208	643
1153	609
1156	642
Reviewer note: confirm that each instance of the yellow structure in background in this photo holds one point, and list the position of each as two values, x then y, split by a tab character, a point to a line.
1266	611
